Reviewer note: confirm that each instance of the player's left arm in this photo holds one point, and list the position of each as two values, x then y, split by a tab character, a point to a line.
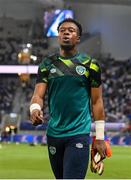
99	117
97	107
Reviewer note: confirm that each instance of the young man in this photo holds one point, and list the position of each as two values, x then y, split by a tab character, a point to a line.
72	79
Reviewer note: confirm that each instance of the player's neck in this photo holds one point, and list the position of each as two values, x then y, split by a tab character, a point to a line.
68	53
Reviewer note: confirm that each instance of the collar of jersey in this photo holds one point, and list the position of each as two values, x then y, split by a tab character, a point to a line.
69	57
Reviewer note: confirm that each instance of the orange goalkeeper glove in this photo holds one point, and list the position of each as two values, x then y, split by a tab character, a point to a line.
97	164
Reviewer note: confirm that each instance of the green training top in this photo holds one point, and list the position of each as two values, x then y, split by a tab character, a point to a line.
69	83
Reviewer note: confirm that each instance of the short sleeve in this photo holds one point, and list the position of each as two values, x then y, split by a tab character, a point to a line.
95	74
42	75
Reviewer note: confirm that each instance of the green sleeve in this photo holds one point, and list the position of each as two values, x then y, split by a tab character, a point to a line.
42	75
95	73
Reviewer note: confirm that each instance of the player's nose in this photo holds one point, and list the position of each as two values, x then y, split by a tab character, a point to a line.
66	32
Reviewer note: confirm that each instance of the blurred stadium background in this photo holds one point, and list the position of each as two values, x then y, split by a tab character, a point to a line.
27	34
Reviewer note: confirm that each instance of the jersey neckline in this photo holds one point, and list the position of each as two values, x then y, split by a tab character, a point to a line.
68	57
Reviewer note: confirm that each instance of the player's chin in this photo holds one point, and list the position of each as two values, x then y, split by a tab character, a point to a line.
67	46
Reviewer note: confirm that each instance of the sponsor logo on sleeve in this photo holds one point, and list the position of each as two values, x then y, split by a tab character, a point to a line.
53	70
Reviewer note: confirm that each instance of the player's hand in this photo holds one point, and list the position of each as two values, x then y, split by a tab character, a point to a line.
97	165
100	147
37	117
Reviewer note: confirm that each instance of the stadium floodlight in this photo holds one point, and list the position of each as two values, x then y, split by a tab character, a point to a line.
29	45
34	58
25	50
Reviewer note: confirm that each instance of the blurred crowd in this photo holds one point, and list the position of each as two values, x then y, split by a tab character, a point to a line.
116	77
7	94
16	34
8	51
10	48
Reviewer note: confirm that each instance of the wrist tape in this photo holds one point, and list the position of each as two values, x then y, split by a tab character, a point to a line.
99	126
34	106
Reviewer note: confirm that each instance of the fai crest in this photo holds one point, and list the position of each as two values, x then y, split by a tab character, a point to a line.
80	70
52	150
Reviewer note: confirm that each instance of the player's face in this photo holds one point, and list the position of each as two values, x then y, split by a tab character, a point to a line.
68	35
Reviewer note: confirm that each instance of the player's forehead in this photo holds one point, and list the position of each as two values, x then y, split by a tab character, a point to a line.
68	25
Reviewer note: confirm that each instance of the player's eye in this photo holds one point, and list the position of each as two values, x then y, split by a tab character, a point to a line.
61	30
72	30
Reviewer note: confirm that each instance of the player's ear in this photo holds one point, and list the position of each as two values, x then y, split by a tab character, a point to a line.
78	39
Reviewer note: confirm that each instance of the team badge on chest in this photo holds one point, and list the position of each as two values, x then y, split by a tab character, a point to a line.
80	70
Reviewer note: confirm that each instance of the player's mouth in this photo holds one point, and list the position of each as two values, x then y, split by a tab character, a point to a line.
66	39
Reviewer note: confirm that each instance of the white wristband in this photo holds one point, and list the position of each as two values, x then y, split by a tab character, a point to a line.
99	126
34	106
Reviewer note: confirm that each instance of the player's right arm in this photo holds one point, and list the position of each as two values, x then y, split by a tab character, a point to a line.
36	105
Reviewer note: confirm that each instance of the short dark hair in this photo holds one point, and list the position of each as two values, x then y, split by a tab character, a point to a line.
72	21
